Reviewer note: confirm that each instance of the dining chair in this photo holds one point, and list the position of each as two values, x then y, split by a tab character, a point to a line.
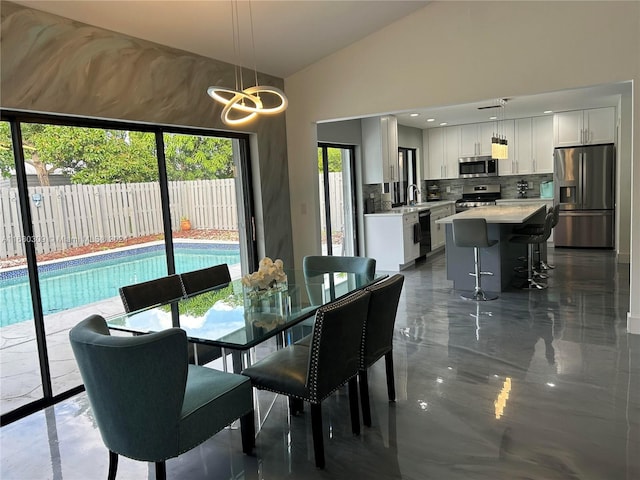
378	337
312	373
206	278
163	290
314	265
153	292
148	402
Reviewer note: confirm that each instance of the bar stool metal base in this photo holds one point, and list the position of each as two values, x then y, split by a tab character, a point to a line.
478	296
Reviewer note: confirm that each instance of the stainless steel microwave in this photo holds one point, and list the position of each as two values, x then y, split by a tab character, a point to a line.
483	166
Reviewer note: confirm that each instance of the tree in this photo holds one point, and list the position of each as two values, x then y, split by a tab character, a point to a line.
334	160
98	156
191	157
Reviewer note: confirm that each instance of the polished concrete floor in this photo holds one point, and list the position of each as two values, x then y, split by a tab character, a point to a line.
535	385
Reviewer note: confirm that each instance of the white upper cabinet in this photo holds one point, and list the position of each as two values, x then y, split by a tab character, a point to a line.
532	147
584	127
451	151
475	139
380	149
542	132
441	160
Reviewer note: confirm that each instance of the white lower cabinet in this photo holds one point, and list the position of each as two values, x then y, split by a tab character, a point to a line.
391	240
437	229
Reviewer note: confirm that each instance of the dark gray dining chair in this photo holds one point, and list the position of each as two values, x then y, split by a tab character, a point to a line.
314	265
153	292
148	402
378	337
312	373
160	291
195	281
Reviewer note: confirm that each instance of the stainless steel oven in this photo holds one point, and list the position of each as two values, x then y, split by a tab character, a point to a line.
483	166
478	196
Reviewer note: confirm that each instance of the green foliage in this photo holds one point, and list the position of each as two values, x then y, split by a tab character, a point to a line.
98	156
335	159
191	157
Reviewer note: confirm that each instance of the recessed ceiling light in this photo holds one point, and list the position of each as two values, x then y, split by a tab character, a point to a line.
548	111
414	114
431	119
493	118
443	124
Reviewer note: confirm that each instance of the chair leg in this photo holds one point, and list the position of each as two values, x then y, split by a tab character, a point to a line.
353	406
248	432
316	430
296	406
364	397
391	383
161	471
113	465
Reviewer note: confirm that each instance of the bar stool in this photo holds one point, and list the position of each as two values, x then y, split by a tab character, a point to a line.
472	232
531	240
538	229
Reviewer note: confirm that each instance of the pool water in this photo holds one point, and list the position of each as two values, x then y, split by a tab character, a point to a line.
82	282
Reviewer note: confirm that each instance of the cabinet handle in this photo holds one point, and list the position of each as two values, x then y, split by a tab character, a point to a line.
586	135
534	166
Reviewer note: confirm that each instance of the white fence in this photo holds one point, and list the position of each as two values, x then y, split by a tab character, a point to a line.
77	215
336	197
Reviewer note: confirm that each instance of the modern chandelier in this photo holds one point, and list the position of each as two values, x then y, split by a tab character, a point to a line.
499	144
244	104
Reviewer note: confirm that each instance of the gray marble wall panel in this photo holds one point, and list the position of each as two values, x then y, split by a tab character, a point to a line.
56	65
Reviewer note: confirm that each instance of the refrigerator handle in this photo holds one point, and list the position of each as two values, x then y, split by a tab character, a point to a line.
580	180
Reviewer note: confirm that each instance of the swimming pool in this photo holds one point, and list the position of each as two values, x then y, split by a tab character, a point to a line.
82	280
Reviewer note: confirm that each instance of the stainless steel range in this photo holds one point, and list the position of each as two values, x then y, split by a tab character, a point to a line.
478	196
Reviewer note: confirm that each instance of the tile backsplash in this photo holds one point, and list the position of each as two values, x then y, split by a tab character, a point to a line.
452	189
507	186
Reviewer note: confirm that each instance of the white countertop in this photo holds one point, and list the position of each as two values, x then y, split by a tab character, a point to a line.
524	200
499	213
412	209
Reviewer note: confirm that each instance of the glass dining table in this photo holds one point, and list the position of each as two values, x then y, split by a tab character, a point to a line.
236	318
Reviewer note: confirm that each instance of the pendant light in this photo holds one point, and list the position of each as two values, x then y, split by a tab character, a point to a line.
499	144
244	104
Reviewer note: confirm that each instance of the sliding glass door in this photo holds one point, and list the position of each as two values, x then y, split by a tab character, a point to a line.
88	207
336	166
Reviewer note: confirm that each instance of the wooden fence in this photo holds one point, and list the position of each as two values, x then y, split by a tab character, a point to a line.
77	215
70	216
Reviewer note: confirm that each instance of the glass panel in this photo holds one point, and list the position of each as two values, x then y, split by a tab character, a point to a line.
336	187
97	220
19	368
323	206
205	202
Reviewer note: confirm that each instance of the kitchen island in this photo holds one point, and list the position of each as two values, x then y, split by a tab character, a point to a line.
503	257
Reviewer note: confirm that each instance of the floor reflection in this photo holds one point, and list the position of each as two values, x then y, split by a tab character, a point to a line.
536	384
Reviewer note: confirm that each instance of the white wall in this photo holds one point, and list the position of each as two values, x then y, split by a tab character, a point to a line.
445	54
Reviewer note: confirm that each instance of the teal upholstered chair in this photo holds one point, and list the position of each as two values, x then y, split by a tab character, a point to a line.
314	265
148	402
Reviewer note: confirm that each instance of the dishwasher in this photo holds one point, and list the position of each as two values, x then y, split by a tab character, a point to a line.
424	218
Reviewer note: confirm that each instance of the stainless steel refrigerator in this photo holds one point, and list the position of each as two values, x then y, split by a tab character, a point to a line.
584	184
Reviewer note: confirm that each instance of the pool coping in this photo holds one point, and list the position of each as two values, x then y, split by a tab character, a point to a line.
118	252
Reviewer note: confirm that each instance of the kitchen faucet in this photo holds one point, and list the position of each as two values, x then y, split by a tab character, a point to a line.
415	192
